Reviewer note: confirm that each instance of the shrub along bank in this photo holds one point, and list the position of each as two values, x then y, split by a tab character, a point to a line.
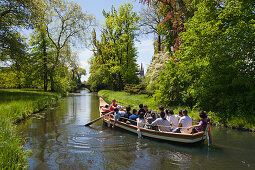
244	122
16	105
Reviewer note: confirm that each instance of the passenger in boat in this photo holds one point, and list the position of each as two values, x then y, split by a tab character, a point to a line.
106	108
140	120
116	114
180	114
113	105
161	108
152	117
207	117
121	112
184	122
145	107
201	125
172	118
141	110
162	123
127	114
133	117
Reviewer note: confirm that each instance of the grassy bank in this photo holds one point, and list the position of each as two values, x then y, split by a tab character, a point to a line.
16	105
134	100
237	122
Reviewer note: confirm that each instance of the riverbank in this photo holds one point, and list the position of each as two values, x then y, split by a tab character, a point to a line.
241	123
16	105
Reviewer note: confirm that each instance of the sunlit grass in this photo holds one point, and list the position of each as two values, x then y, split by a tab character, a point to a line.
15	105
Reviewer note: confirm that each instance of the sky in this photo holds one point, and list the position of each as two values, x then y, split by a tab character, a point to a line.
144	45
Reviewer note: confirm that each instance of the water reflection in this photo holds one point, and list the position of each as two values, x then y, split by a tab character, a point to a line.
59	140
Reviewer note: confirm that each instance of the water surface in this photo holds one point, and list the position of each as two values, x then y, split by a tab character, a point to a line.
59	140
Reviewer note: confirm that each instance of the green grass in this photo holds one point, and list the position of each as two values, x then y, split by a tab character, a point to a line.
16	105
134	100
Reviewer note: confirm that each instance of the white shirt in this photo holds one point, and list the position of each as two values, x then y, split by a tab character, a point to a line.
186	121
164	124
140	122
173	119
122	113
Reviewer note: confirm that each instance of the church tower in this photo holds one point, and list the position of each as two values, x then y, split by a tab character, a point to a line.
141	74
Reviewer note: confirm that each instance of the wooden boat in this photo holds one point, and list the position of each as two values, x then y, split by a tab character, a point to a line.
167	136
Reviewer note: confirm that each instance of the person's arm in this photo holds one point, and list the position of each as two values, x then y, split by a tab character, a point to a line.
180	122
154	122
195	126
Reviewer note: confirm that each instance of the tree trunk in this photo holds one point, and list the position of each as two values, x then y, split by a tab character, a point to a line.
53	71
52	81
159	43
45	69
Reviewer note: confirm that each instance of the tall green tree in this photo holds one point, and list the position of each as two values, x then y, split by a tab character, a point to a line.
65	22
114	61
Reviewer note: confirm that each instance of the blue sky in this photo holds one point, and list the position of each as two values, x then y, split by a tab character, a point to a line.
144	47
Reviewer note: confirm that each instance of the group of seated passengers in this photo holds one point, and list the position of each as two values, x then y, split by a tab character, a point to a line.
167	121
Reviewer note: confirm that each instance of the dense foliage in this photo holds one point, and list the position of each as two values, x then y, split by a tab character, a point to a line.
47	57
114	62
216	62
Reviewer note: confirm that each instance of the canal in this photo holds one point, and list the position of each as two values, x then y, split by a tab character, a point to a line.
58	139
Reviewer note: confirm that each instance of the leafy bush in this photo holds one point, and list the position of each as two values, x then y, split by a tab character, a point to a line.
135	89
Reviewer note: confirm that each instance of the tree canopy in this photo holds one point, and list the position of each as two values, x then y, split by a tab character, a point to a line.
114	62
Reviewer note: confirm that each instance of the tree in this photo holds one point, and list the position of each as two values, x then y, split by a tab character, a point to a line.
150	21
65	22
41	54
114	61
178	13
13	14
216	64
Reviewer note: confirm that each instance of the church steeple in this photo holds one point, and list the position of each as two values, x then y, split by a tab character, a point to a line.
141	74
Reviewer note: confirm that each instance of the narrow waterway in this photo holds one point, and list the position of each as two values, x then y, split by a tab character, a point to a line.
58	139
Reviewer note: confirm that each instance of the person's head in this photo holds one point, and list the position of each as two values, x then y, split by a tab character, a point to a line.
140	106
162	115
202	114
119	107
128	108
141	115
184	112
145	107
134	111
149	111
116	110
106	106
170	112
180	113
161	108
113	101
153	115
167	111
